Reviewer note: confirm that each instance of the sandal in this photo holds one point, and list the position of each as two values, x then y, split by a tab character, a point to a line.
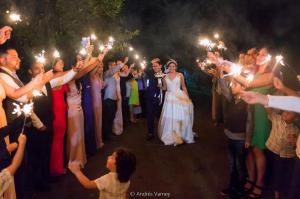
248	190
254	195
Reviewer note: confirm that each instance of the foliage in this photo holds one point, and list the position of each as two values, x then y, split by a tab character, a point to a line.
61	24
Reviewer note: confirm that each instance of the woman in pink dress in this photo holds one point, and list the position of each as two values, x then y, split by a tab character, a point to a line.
97	85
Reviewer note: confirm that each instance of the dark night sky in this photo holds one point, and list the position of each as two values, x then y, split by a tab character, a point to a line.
171	28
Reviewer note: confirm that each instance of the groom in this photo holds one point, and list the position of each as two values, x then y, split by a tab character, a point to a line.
153	96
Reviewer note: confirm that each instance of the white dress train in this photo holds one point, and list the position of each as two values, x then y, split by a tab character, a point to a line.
176	120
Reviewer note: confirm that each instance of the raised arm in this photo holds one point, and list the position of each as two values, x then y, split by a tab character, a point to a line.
90	66
116	69
12	168
263	80
17	93
65	78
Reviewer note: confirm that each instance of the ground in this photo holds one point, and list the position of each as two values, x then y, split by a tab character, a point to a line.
189	171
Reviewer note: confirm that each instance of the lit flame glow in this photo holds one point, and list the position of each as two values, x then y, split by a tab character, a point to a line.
40	58
56	54
93	37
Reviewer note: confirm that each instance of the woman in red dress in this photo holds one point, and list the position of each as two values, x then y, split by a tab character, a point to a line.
59	125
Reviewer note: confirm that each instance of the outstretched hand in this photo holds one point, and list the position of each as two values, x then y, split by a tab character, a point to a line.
255	98
74	166
78	66
278	84
5	34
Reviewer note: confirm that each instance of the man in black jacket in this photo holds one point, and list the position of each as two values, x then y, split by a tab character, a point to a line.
153	96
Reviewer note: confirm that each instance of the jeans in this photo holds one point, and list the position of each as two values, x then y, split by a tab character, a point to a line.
236	157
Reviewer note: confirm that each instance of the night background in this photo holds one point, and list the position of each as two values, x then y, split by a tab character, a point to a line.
158	28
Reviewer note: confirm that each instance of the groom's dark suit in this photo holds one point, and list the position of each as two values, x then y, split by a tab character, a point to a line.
153	105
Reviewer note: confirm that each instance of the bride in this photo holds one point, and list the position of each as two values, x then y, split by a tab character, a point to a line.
176	121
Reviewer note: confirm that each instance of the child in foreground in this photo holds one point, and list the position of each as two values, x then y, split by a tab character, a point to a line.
115	184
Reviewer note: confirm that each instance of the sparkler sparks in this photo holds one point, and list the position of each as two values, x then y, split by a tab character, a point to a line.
83	51
136	56
14	17
56	54
93	37
207	43
279	59
40	58
250	77
101	47
216	36
130	49
26	109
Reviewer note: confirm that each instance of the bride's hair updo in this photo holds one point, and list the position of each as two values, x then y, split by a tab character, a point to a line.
171	61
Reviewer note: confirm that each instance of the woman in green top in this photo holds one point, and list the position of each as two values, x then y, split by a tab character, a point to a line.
134	96
256	161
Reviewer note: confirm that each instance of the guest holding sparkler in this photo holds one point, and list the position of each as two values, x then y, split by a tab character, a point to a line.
125	76
75	133
118	120
97	84
59	121
110	97
262	83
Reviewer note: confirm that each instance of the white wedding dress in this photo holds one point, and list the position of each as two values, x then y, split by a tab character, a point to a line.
177	117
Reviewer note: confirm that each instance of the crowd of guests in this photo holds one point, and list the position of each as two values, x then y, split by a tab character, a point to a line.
262	135
65	125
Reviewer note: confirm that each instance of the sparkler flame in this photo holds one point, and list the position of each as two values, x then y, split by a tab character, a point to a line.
56	54
14	17
216	36
130	49
82	51
250	77
207	43
101	47
93	37
40	58
26	109
279	59
136	56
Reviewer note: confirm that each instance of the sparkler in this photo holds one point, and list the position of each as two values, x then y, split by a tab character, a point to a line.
40	58
221	46
83	51
101	47
93	37
130	49
208	44
111	41
250	78
267	59
14	17
216	36
56	54
279	60
26	109
136	56
235	70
